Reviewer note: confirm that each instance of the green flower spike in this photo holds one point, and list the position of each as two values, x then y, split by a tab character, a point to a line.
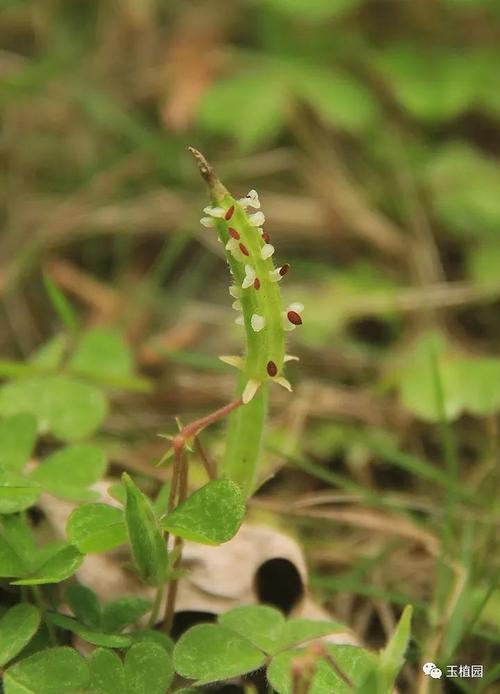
257	299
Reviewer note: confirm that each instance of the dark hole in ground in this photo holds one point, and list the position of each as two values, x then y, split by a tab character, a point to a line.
188	618
278	583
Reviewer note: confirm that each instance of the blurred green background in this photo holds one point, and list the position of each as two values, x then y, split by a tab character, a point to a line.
371	130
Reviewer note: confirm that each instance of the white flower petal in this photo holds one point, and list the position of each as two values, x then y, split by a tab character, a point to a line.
257	322
290	357
283	382
233	360
214	211
274	275
249	277
266	251
250	389
257	219
297	307
237	305
207	222
239	320
235	292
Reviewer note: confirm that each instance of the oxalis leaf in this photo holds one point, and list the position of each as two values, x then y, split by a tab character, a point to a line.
211	515
17	493
51	671
148	546
64	406
17	439
84	605
354	662
148	669
210	652
96	528
98	638
17	627
106	672
68	472
116	615
267	628
57	568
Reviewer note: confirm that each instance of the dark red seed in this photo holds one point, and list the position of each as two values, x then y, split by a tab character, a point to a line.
244	249
284	269
229	213
233	233
266	237
272	369
294	317
256	283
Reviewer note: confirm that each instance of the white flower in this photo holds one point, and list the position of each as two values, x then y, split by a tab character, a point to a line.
251	200
207	222
237	305
266	251
239	320
283	382
235	292
233	360
250	389
249	277
214	211
257	219
257	322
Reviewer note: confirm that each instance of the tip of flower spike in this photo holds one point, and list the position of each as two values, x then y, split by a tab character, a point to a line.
250	389
233	360
217	190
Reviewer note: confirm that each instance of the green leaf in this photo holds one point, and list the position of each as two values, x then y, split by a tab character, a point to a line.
17	627
17	440
51	671
210	652
63	406
61	305
153	636
17	493
314	10
211	515
391	659
118	614
148	546
84	605
50	355
148	669
17	532
339	98
102	354
68	472
11	563
59	567
106	672
247	107
353	661
260	624
298	631
97	638
96	528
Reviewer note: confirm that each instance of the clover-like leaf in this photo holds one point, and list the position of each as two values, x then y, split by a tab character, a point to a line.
70	471
84	605
210	652
64	406
106	672
51	671
17	439
298	631
17	493
11	564
116	615
148	669
57	568
355	664
96	528
17	627
97	638
260	624
211	515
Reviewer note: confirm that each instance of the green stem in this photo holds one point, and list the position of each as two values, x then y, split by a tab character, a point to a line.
155	611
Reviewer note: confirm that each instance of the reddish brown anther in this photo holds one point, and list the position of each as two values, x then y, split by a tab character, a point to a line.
272	369
244	249
284	269
232	232
229	213
294	317
266	237
256	283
